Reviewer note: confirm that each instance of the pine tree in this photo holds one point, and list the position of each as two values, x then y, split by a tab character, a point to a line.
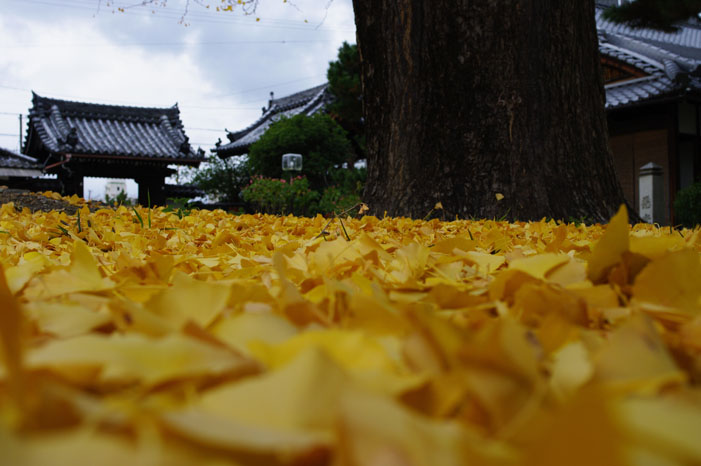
347	109
655	14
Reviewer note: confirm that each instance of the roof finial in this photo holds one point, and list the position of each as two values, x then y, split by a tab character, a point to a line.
185	146
69	141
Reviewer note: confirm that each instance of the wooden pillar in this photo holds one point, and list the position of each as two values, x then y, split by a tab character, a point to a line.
71	181
151	187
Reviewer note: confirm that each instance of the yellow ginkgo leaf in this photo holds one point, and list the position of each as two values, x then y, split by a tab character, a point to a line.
81	275
538	266
240	330
128	359
190	299
610	248
635	360
672	281
668	426
350	349
582	432
11	338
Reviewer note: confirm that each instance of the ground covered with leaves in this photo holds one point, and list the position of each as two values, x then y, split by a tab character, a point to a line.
146	337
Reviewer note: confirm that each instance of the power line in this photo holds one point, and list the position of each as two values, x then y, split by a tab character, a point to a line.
268	86
130	103
210	18
205	129
13	88
168	44
185	105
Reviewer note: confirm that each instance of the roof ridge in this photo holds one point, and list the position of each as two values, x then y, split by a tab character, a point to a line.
631	53
274	109
300	93
44	99
650	52
687	35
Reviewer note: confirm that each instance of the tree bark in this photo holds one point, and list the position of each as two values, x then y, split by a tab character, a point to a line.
467	99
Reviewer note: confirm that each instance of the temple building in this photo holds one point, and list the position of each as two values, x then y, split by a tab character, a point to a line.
653	91
76	139
307	102
23	172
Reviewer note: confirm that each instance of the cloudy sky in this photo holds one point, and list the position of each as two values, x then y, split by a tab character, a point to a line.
219	66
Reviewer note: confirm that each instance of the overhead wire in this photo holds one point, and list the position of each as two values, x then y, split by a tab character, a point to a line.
167	44
201	17
184	105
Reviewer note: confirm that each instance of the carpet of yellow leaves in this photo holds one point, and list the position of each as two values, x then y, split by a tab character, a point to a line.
215	339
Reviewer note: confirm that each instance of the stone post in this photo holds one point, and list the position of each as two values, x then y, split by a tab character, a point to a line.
651	193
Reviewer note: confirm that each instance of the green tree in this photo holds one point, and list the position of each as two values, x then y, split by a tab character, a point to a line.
320	140
347	108
223	179
687	206
656	14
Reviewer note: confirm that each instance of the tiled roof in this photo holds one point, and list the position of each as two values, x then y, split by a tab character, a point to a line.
108	130
12	164
670	61
685	41
9	159
306	102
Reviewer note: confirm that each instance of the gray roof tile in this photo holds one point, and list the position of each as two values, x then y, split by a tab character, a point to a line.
18	165
688	37
142	132
9	159
307	102
668	59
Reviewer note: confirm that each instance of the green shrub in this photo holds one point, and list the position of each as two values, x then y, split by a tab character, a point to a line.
277	196
120	199
335	200
222	179
320	140
687	206
349	181
345	192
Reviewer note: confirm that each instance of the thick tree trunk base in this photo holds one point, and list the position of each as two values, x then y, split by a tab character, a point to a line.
468	100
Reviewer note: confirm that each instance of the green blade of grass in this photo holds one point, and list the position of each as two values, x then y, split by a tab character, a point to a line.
138	216
148	197
344	229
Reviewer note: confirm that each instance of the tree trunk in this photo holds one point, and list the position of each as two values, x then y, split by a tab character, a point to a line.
467	99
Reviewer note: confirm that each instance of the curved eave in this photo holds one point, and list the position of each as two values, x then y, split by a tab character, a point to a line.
131	158
20	172
308	105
